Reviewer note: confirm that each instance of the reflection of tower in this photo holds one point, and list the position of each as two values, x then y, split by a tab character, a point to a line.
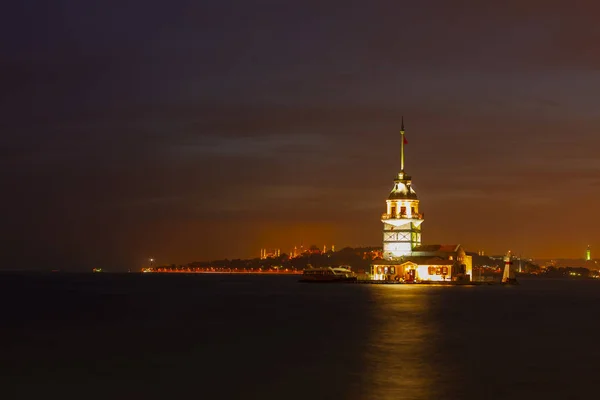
588	254
402	220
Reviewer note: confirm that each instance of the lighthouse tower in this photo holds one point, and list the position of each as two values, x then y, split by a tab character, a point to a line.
588	254
402	219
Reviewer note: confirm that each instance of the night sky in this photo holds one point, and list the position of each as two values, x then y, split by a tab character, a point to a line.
189	130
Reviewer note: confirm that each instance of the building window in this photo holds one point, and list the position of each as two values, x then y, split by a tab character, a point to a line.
393	210
403	210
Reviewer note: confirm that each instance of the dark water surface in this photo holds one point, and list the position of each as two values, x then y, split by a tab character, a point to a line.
136	336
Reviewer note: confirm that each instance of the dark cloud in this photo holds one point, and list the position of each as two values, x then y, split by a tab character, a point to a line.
201	130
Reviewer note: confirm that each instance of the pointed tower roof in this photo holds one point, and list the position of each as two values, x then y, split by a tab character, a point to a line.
402	190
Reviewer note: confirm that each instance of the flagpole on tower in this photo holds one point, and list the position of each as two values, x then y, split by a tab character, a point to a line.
402	146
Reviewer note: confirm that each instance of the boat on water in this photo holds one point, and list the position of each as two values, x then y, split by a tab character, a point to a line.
328	274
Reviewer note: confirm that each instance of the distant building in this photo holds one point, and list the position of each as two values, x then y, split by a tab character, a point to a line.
404	257
269	253
299	252
376	254
588	254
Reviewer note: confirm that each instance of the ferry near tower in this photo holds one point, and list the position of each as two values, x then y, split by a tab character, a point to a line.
405	257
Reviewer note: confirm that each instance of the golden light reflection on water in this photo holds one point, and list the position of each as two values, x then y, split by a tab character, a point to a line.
402	338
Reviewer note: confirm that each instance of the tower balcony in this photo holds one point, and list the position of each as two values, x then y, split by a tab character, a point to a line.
404	216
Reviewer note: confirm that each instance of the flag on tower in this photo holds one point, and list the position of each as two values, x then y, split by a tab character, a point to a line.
405	141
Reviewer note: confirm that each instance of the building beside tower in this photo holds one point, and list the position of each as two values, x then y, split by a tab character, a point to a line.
405	258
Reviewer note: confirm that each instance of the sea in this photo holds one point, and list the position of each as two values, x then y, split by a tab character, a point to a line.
203	336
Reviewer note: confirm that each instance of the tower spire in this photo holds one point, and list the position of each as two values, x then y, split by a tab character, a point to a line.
402	145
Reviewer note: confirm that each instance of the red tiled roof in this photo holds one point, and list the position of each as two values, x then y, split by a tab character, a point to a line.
444	248
419	260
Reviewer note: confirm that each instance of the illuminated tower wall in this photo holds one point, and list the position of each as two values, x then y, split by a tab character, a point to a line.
402	219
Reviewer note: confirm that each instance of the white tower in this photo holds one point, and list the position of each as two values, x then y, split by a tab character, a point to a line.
508	276
402	219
